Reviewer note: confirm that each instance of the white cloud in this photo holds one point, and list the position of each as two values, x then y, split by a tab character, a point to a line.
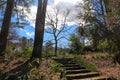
65	5
30	34
32	15
70	4
69	1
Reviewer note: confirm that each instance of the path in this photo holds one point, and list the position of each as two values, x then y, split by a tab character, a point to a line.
77	72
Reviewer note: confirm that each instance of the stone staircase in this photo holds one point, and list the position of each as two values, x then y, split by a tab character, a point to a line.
76	72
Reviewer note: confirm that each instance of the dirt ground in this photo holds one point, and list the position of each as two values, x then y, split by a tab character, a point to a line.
105	66
47	70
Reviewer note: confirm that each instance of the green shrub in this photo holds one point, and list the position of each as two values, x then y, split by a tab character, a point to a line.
7	51
26	53
90	66
55	66
18	53
35	74
9	54
98	56
80	60
110	56
47	54
103	56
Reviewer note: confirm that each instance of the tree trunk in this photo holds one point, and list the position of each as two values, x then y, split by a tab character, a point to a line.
39	29
6	25
56	47
94	45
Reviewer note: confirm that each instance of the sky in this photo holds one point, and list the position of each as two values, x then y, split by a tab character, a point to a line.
51	3
28	31
69	4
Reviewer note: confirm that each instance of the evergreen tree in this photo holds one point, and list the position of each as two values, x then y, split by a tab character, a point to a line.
39	29
6	25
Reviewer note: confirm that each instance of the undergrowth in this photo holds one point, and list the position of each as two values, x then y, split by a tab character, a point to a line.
80	60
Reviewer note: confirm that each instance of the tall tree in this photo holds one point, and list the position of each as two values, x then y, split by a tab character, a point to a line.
7	17
5	25
39	29
113	23
95	22
103	16
56	20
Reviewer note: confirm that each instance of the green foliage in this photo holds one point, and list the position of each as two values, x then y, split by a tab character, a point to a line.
35	62
76	45
9	54
102	22
18	53
90	66
55	66
103	56
48	53
80	60
35	74
103	45
110	56
1	70
66	55
99	56
26	53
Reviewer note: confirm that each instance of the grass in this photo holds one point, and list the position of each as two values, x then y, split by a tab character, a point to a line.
57	70
80	60
100	55
55	66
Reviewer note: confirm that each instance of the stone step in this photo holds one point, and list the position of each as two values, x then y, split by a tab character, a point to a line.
70	65
71	62
95	78
74	68
65	62
77	71
81	75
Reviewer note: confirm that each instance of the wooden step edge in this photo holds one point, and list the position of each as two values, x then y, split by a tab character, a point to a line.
73	68
82	74
96	78
77	71
69	65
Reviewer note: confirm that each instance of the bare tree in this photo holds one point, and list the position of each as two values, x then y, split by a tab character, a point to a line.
39	29
56	22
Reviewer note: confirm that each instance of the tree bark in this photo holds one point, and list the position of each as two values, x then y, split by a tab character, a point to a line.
56	46
6	25
39	29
